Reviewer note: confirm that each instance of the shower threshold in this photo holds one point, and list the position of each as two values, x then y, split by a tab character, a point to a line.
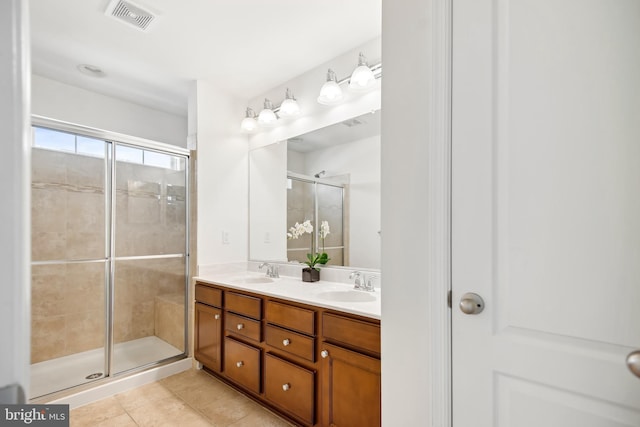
64	372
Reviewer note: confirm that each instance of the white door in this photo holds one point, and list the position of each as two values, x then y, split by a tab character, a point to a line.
546	212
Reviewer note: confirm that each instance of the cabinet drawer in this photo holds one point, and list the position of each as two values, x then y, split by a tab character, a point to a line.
351	333
291	317
209	296
290	387
243	304
242	364
291	342
243	326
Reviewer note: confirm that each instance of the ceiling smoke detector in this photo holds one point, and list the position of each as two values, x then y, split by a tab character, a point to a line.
131	14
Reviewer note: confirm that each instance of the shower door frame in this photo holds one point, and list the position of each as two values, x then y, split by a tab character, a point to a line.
112	140
314	236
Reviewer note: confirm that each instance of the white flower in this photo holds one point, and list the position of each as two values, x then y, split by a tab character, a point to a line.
324	229
299	229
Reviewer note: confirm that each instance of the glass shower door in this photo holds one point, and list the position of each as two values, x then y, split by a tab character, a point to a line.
150	262
300	207
69	236
330	202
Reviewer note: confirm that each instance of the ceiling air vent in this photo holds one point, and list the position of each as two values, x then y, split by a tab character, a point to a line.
351	123
131	14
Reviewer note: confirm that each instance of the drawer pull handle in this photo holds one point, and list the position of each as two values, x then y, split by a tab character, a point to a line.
324	354
286	342
217	317
286	387
240	326
240	364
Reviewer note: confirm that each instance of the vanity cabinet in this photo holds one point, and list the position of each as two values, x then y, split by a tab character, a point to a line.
208	327
314	366
351	386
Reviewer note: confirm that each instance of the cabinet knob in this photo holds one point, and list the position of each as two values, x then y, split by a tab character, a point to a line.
324	354
240	326
286	387
240	364
286	342
217	317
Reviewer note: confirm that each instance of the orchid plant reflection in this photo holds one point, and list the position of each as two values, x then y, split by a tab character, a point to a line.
313	258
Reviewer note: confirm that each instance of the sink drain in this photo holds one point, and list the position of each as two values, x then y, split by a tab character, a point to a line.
94	376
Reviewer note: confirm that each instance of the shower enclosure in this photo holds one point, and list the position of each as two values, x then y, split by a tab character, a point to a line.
315	199
109	255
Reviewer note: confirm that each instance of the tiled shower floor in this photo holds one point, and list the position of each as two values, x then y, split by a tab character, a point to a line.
68	371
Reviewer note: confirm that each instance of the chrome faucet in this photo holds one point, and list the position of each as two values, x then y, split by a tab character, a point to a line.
358	280
362	282
369	286
272	269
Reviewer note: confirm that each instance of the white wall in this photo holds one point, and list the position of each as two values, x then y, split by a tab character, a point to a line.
268	202
415	191
56	100
405	329
15	218
222	174
306	89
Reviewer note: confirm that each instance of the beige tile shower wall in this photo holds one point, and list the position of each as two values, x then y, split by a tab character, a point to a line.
138	283
68	222
67	309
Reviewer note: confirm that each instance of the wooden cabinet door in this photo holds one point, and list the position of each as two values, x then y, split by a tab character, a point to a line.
350	388
208	336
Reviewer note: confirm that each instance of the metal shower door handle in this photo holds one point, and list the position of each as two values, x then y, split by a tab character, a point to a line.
633	362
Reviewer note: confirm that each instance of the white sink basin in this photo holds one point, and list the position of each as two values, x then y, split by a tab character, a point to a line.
247	280
347	296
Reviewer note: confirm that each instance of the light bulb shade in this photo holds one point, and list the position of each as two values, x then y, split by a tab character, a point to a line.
362	79
248	125
330	93
289	108
267	117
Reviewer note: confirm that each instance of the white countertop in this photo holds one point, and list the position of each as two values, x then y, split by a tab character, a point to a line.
321	293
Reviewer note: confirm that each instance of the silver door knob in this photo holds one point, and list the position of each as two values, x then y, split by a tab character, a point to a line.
240	364
324	354
240	326
217	317
471	303
286	342
633	362
286	387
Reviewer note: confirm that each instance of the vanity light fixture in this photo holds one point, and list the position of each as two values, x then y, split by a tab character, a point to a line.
362	78
330	93
289	107
267	116
249	123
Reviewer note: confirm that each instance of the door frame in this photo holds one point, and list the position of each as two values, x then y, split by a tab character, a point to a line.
439	192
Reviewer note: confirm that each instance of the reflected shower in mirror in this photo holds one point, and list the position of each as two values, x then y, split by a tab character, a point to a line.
330	176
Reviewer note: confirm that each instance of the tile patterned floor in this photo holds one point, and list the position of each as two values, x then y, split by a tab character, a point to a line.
191	399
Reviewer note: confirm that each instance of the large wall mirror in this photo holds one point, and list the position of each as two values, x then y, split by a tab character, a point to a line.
330	176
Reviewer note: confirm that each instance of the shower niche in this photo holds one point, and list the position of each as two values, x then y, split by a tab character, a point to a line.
109	256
